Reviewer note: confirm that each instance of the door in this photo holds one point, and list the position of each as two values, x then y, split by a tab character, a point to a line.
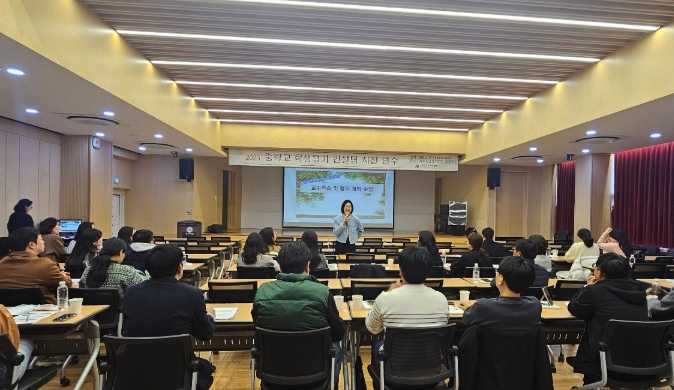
116	214
511	210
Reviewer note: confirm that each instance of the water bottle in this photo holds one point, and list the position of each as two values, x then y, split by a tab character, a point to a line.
444	257
548	251
655	287
62	295
632	261
476	272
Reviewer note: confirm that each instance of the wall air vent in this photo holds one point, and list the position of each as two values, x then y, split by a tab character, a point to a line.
527	157
157	145
90	120
597	140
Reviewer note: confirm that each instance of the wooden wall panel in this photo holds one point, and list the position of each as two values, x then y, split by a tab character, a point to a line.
43	182
4	210
511	207
29	154
12	174
101	187
55	179
75	177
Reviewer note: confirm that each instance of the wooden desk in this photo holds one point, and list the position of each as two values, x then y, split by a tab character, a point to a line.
663	283
551	282
333	284
447	283
389	267
547	314
201	257
88	312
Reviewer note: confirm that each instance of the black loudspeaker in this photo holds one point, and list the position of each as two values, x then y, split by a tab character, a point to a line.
187	169
493	177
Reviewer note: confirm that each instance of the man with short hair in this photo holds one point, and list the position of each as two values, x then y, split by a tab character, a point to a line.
24	268
493	248
297	301
527	250
408	303
139	250
610	294
510	311
163	306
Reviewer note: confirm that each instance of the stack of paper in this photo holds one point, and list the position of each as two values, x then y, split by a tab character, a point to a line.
454	310
32	317
21	309
225	313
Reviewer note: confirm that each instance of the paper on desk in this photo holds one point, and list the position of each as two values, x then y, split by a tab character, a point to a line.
548	306
31	318
21	309
366	305
47	307
333	267
225	313
455	310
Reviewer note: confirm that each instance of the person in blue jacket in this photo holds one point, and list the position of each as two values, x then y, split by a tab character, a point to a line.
347	229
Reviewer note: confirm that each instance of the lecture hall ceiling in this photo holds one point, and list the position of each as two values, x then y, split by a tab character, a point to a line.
318	63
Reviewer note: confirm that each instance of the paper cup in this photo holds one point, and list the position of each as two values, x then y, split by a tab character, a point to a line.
555	252
339	301
464	295
357	301
75	305
389	261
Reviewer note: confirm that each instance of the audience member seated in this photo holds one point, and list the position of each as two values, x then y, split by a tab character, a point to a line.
527	250
126	234
296	301
468	260
542	258
509	311
583	248
139	250
105	270
20	217
253	254
493	248
53	243
23	268
80	229
163	306
615	241
318	260
269	237
609	295
85	250
22	346
409	303
426	240
661	309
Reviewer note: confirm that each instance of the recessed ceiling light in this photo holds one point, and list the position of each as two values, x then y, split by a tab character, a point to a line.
158	136
533	149
591	132
32	111
496	159
403	118
100	134
108	113
656	135
188	150
455	14
345	90
358	46
15	71
338	125
353	71
585	151
334	104
540	160
142	148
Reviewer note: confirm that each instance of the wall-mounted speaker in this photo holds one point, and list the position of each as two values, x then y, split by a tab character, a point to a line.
493	177
187	169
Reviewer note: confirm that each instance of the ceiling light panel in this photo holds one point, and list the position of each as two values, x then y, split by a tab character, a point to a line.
293	123
349	116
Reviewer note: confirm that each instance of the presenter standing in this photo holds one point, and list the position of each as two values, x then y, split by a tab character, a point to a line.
347	230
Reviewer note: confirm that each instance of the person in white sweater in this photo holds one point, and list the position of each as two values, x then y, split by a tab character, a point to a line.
408	303
584	247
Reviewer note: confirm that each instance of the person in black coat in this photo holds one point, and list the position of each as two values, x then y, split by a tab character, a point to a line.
163	306
20	217
493	248
468	260
139	250
609	295
426	240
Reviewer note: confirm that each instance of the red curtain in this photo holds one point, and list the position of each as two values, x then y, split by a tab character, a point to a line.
566	196
644	195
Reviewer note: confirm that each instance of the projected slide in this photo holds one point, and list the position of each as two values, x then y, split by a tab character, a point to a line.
313	197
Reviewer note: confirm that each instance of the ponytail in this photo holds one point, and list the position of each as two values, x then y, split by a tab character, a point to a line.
586	236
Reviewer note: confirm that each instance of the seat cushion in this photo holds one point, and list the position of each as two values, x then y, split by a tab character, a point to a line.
36	378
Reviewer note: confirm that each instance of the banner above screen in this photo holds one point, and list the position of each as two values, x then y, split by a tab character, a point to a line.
341	160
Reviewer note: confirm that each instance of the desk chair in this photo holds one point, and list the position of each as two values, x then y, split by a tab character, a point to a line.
363	249
386	250
367	271
409	243
232	292
458	250
485	272
400	239
293	360
370	290
437	272
565	289
393	256
434	284
63	257
110	320
536	292
635	355
172	365
280	241
648	270
32	379
373	240
669	272
4	246
669	260
256	272
359	258
323	273
19	296
416	358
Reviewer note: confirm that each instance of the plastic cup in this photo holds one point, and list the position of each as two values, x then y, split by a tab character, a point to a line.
357	301
555	252
464	295
389	261
339	301
75	305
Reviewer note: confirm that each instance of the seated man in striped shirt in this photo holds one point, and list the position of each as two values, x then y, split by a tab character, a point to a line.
409	303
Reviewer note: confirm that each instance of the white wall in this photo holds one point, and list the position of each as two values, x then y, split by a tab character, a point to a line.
262	201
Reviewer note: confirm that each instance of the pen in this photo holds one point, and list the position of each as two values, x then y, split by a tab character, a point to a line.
27	317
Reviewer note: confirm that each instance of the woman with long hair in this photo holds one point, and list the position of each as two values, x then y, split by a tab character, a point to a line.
90	242
318	260
53	243
20	217
347	229
126	234
468	260
269	237
254	254
105	270
427	240
583	248
616	241
80	229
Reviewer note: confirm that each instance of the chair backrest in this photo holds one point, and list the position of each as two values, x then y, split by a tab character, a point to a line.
320	273
441	245
536	292
496	260
4	246
221	239
669	260
393	256
648	270
485	272
437	272
566	289
400	239
159	238
256	272
193	239
669	272
128	369
435	284
359	258
363	249
293	358
386	250
367	271
373	240
109	318
418	356
8	360
199	249
409	243
232	291
19	296
562	235
459	250
284	240
637	348
63	257
370	290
